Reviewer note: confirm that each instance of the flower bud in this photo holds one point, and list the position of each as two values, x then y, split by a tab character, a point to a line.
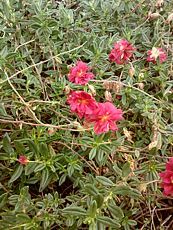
108	96
107	85
118	97
142	187
153	15
67	89
131	71
159	3
51	131
23	160
141	85
170	18
92	90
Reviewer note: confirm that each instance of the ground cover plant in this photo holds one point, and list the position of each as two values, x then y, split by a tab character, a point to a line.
86	114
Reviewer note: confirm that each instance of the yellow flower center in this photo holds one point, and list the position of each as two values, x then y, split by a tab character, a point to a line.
79	73
83	101
105	118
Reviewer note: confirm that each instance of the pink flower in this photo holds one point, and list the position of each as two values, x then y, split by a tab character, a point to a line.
121	52
167	178
156	53
105	117
80	74
81	103
23	160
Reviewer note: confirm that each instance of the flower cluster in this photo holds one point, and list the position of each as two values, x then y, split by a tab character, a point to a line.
123	51
103	115
167	178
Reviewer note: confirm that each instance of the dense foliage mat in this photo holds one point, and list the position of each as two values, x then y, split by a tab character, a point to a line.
56	171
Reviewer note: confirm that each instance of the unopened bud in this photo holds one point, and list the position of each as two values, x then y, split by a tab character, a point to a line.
118	97
142	187
117	87
107	85
92	90
153	15
170	18
159	3
51	131
141	76
141	85
78	126
67	89
108	96
23	160
131	71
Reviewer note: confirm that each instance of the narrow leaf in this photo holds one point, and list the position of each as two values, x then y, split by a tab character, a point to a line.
105	181
16	173
74	210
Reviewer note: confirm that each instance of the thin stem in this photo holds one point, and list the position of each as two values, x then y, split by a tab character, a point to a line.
62	127
42	62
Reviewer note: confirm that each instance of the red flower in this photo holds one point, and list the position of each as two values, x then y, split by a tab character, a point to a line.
105	117
121	52
167	178
81	103
156	53
80	74
23	160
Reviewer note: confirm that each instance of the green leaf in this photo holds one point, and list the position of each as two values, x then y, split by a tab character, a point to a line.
3	110
30	167
107	221
91	189
126	169
43	149
70	170
74	210
116	211
62	179
23	218
127	191
7	144
92	153
100	155
117	169
45	179
132	222
99	199
20	149
4	156
33	147
3	199
17	173
104	181
39	167
92	209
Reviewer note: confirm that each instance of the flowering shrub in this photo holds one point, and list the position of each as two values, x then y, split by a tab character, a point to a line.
86	130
